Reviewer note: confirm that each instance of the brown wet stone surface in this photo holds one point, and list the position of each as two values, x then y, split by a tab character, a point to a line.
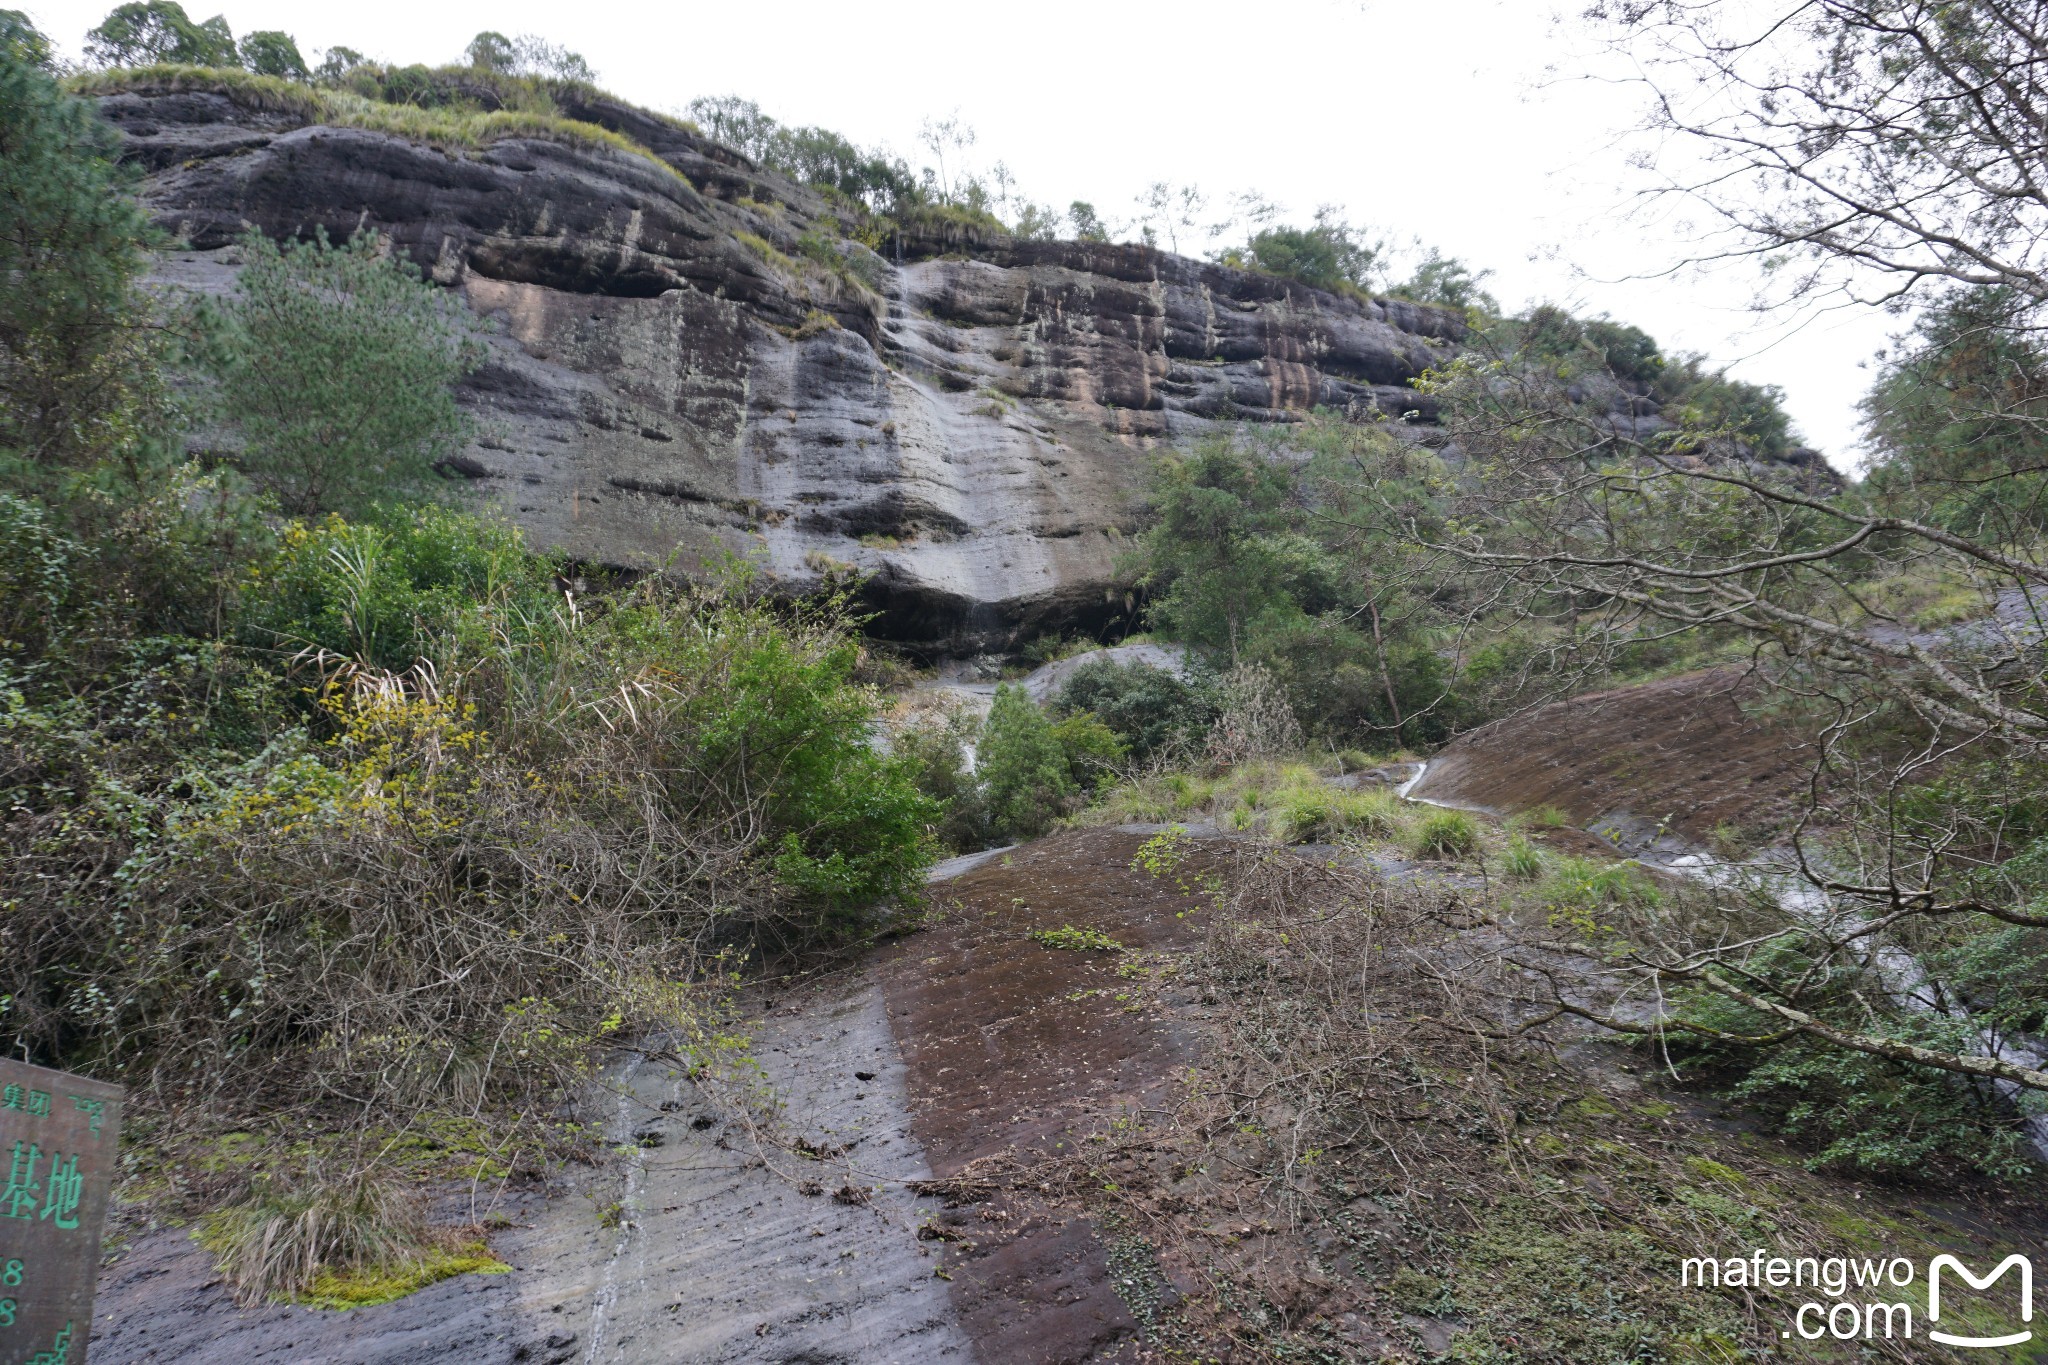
1678	748
1009	1044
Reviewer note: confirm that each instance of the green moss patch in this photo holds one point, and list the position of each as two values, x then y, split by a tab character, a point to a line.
344	1289
1076	940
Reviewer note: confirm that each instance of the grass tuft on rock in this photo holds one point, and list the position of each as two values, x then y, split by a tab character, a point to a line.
1523	860
452	126
1075	940
1444	834
281	1241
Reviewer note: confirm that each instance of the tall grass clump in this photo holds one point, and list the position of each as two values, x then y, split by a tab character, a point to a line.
1133	803
1444	834
1581	884
1321	814
1522	860
1541	817
274	1243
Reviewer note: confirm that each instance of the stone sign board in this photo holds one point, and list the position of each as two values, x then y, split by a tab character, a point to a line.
60	1144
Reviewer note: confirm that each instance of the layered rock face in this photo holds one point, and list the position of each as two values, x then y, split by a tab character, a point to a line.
687	355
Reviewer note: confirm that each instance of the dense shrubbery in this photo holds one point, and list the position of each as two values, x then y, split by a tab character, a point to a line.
1253	557
208	877
361	805
1331	254
1028	768
1023	769
939	751
423	582
1704	403
1856	1111
1151	712
1335	255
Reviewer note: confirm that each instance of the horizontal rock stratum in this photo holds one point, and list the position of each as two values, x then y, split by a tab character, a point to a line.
688	354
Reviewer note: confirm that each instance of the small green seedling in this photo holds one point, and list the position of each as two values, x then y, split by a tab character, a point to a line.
1076	940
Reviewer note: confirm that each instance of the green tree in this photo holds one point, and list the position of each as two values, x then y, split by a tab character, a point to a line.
816	156
77	351
1716	406
144	32
539	57
1448	281
1088	225
338	62
936	751
1223	557
1148	709
492	51
1023	767
1331	254
526	55
21	41
1711	410
1092	750
1289	550
1955	417
1036	222
1547	332
1629	352
268	52
738	123
335	365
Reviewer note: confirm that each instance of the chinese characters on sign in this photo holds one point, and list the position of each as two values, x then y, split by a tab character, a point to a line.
60	1136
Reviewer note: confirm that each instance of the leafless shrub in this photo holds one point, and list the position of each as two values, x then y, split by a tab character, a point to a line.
1257	721
1367	1040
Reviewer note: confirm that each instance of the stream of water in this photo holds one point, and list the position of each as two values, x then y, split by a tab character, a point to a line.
1775	875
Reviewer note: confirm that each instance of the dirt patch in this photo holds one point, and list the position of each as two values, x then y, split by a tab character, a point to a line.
1682	752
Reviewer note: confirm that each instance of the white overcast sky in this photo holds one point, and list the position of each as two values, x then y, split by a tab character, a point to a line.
1468	124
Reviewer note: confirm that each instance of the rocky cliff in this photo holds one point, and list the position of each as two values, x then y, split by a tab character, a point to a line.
688	353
